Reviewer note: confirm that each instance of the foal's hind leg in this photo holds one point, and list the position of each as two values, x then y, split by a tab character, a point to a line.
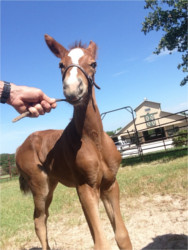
42	195
110	199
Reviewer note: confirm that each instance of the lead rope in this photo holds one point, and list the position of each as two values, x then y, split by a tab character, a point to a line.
90	81
28	113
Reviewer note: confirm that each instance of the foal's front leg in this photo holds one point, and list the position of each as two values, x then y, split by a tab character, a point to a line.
110	199
89	198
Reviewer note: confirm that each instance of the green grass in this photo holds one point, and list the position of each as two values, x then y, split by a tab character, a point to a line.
155	177
162	156
7	178
16	210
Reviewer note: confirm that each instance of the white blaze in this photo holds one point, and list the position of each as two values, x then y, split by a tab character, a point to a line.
75	55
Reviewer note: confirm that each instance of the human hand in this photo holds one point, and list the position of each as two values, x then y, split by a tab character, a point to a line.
24	98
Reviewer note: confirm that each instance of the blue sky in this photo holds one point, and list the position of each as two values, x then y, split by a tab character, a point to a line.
127	70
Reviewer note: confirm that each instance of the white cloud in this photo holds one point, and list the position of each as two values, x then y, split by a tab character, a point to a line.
179	107
154	57
119	73
131	59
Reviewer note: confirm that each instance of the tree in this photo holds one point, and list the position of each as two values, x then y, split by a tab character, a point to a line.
113	132
110	133
181	138
171	17
5	161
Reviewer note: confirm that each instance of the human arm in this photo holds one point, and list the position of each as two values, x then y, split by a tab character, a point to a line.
24	98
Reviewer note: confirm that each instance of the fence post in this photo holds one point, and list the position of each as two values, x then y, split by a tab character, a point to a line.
162	135
9	167
139	148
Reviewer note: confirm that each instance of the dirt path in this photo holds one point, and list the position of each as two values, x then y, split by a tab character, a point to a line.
159	222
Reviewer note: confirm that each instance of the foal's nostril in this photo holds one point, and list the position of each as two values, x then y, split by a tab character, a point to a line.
80	87
73	90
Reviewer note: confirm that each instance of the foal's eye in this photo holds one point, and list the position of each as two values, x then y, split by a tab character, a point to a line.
93	65
61	65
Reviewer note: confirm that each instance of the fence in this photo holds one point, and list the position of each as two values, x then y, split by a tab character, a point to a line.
137	141
8	168
158	137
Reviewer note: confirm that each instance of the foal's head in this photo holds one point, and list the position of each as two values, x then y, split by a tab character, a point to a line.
77	66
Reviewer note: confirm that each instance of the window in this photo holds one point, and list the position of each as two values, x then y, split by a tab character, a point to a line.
150	120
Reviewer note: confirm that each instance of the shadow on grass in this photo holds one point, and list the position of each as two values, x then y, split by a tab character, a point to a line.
35	248
39	248
163	156
169	241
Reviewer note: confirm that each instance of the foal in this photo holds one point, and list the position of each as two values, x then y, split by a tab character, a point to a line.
82	156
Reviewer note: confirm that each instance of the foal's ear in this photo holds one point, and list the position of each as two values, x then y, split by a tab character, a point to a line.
54	46
93	49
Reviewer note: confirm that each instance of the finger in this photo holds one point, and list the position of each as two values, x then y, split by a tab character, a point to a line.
54	105
46	106
48	99
34	112
21	108
52	100
39	108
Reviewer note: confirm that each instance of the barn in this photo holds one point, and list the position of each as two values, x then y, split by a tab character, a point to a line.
152	124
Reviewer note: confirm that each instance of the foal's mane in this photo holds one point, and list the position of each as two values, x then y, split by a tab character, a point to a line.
77	44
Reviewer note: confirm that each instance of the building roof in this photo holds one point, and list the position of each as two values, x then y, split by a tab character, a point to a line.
147	103
124	128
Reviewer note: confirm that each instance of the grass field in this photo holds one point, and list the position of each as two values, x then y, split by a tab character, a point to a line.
16	210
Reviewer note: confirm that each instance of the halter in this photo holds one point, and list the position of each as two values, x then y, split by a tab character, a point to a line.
90	81
89	78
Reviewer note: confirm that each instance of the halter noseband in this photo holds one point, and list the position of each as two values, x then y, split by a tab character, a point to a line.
90	81
89	78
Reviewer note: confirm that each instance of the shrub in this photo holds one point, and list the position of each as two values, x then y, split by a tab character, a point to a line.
180	139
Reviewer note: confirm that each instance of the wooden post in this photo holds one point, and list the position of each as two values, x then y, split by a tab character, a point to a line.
9	167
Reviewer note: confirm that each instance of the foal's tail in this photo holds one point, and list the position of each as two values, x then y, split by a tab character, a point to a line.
24	187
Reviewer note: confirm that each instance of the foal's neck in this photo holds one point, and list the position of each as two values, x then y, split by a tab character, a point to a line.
87	118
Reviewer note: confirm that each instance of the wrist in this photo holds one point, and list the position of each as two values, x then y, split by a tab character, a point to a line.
14	92
5	92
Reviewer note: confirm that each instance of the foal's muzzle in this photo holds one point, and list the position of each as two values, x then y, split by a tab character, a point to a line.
74	92
89	78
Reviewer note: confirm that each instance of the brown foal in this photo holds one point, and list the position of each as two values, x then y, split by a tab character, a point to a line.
82	156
